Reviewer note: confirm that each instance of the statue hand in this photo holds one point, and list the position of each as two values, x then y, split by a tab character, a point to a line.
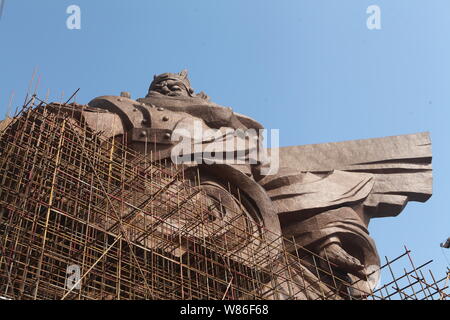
343	260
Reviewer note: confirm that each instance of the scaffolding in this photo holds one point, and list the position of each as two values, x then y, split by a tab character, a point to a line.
414	283
85	217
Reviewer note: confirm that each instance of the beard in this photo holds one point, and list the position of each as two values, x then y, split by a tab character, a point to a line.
176	94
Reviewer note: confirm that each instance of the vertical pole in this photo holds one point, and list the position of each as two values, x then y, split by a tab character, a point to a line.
49	209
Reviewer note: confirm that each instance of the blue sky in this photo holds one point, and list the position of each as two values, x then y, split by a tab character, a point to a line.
308	67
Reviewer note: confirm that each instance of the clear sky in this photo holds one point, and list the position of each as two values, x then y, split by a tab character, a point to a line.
310	68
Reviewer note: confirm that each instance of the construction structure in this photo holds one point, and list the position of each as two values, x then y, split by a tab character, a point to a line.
83	217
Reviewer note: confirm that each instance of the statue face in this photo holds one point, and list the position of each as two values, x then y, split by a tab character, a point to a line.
173	88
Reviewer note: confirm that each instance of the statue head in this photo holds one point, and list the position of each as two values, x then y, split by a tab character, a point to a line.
172	84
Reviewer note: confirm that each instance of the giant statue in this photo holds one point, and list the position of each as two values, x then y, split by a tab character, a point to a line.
319	197
323	196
